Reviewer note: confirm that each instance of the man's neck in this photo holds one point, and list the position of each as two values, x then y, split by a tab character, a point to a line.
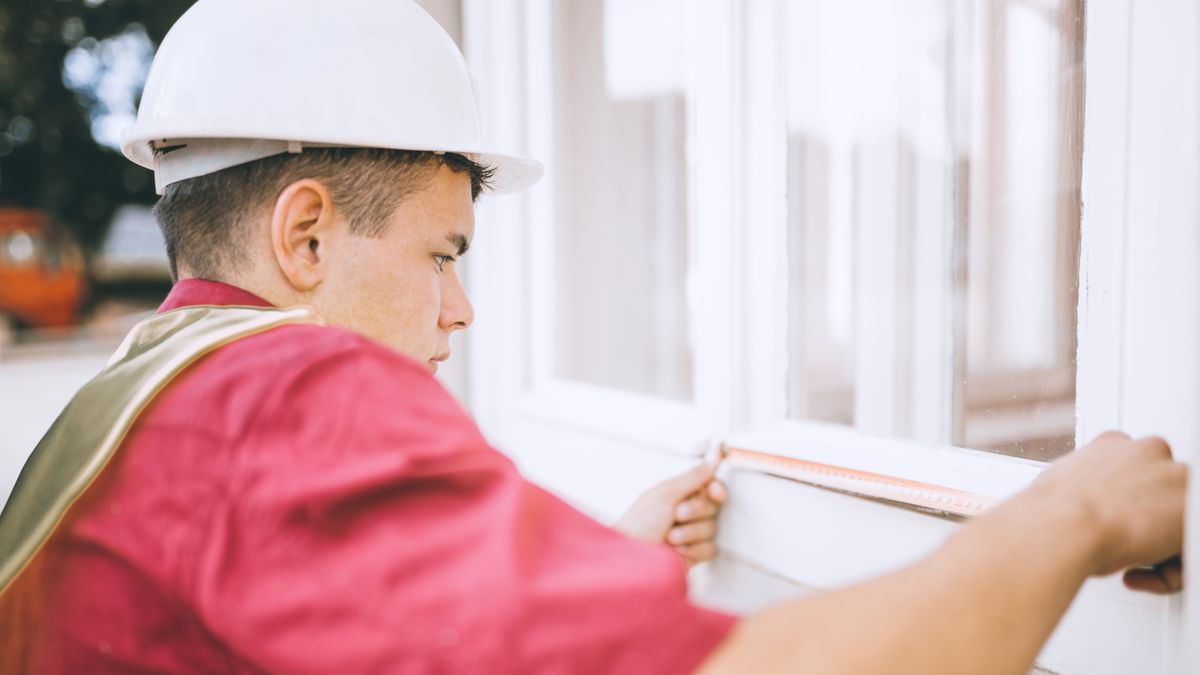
274	292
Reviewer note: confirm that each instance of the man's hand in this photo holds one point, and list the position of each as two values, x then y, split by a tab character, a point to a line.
1133	494
680	512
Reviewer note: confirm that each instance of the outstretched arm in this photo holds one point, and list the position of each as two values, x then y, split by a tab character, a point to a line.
990	597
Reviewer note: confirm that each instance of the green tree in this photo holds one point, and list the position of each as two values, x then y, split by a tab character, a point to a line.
50	157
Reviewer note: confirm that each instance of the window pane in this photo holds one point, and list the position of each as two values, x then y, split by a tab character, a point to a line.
1023	230
822	283
934	218
621	231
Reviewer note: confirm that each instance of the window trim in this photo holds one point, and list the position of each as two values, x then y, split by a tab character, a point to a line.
650	421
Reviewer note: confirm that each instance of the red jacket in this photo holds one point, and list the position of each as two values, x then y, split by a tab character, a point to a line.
307	500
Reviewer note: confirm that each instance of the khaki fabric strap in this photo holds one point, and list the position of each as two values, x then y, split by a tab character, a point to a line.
91	428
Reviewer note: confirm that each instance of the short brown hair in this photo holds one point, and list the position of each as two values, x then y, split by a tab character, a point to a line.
204	219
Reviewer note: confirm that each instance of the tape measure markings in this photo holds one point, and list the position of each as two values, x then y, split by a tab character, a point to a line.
862	483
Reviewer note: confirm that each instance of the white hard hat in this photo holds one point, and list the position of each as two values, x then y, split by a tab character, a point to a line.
237	80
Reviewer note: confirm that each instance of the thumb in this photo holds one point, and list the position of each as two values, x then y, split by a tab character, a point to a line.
688	482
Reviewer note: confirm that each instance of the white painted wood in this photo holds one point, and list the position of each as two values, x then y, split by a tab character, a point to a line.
713	192
647	421
490	30
818	538
598	474
539	107
764	219
1102	263
733	584
927	404
1160	392
1101	304
1159	388
927	236
1108	631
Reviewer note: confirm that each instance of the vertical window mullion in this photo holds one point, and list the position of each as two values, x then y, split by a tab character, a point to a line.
926	241
490	28
1101	268
712	174
764	164
540	297
1159	368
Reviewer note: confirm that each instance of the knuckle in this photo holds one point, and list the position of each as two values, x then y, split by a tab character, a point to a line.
1113	435
1155	444
1180	472
693	509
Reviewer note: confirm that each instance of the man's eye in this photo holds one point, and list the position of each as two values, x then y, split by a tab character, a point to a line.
441	260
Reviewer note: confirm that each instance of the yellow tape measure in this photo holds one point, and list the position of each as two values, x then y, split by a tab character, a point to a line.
862	483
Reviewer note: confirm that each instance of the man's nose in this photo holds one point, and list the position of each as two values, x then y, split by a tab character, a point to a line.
457	312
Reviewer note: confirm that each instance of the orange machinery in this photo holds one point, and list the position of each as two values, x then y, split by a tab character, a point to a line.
42	272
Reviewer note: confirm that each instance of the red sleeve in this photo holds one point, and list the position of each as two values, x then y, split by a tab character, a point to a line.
370	528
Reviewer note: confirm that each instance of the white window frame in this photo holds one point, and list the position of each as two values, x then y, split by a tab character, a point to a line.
1137	364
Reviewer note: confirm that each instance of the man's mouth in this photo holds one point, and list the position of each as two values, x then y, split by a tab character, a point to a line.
433	363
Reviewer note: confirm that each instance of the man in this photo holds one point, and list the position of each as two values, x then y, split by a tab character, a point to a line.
290	490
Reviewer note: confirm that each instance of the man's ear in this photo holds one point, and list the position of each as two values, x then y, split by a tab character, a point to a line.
302	227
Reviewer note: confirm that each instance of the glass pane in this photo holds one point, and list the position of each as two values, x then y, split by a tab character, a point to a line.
933	226
1023	230
621	207
822	284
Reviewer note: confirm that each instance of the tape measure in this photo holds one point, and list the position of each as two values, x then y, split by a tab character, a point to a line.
861	483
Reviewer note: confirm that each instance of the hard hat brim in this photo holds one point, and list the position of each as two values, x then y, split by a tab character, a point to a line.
512	173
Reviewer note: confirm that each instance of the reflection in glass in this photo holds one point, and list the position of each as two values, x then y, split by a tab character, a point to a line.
821	271
1022	234
934	219
621	237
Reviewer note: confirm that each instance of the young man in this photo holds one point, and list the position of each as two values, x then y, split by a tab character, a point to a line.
290	490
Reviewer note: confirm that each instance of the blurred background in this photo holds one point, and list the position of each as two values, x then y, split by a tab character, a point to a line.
78	245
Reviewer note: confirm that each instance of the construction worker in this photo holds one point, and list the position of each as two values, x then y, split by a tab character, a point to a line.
268	478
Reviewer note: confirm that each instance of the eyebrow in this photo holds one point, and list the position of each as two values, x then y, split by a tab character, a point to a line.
460	241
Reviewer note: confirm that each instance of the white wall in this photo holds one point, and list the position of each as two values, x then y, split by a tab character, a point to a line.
33	390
